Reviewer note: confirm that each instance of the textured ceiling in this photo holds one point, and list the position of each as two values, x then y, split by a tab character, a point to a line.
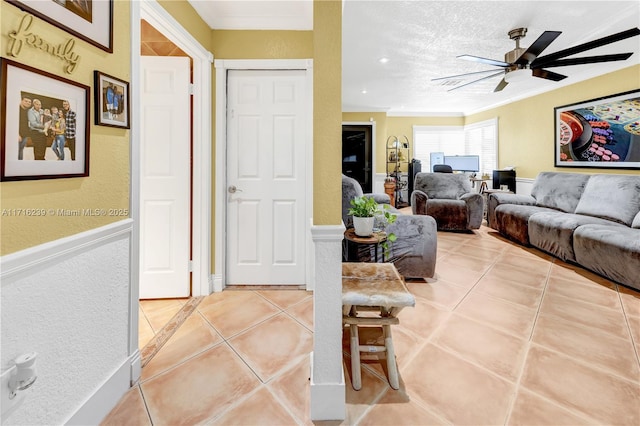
421	40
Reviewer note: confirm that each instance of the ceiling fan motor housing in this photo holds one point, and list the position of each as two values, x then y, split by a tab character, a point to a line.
513	55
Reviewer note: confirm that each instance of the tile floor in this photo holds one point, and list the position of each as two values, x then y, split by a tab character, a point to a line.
505	335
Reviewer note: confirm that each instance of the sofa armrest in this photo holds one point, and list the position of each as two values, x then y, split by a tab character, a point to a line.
419	202
495	199
475	209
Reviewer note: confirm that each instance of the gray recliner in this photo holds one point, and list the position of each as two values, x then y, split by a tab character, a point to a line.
449	199
414	252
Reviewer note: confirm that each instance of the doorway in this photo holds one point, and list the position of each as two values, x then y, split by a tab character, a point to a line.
266	180
303	168
176	38
357	154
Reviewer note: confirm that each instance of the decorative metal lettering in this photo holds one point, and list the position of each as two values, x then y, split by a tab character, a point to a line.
23	36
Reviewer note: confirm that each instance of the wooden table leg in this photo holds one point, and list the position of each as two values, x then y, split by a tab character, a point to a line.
391	358
356	378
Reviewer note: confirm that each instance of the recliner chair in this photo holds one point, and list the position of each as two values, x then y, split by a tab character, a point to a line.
414	251
450	199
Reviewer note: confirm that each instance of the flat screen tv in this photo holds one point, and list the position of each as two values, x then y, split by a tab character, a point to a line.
463	163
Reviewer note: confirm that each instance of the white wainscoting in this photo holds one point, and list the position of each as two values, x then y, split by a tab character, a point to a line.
70	301
524	186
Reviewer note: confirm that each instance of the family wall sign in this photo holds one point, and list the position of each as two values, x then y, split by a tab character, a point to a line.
24	35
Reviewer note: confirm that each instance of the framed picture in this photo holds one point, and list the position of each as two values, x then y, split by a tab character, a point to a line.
602	132
45	131
111	99
90	20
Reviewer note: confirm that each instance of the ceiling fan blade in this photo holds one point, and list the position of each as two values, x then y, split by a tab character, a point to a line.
462	75
483	60
544	60
475	81
588	60
537	47
549	75
503	83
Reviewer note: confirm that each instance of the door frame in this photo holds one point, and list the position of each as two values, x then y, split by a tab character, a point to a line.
222	67
156	15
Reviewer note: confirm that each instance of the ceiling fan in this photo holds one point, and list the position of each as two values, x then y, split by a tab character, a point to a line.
526	61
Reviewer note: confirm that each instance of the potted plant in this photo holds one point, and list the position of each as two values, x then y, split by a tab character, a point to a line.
363	210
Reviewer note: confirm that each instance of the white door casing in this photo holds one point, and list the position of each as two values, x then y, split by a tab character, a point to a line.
265	163
165	136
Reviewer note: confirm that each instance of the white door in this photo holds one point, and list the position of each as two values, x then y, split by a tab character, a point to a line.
165	183
266	177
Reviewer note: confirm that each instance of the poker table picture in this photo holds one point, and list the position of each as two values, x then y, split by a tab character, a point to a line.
609	132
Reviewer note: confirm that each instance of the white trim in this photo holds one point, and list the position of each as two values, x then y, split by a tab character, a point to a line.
222	67
424	114
156	15
96	407
24	262
373	144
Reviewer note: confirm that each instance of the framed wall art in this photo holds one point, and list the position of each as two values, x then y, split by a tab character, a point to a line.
90	20
111	99
602	132
45	131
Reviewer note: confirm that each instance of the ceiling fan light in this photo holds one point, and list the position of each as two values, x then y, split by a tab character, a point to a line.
517	76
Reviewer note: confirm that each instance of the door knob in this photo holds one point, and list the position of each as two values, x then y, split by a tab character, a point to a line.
233	189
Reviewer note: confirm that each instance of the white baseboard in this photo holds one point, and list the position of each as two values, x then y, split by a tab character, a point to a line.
216	280
98	405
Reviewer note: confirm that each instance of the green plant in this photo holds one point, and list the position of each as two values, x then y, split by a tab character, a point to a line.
389	218
363	207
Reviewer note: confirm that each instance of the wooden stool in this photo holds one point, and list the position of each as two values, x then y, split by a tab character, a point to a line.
377	290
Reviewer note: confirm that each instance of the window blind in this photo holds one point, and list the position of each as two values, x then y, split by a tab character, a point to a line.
475	139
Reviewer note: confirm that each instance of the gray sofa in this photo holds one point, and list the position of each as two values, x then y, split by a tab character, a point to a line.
590	220
414	252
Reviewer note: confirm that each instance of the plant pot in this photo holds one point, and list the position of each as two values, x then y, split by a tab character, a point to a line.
363	226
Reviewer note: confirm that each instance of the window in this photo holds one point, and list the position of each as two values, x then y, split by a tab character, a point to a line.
475	139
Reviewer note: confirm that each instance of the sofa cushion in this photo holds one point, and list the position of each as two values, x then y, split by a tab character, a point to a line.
560	191
512	220
609	250
636	222
553	231
614	197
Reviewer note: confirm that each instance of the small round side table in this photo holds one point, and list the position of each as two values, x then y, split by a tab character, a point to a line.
363	243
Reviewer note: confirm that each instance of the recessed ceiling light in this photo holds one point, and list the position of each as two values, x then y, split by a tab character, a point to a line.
364	91
383	60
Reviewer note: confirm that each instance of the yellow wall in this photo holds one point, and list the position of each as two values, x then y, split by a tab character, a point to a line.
186	15
526	128
237	44
327	112
107	186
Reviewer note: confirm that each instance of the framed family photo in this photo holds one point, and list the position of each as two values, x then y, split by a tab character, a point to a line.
45	131
602	132
111	97
90	20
